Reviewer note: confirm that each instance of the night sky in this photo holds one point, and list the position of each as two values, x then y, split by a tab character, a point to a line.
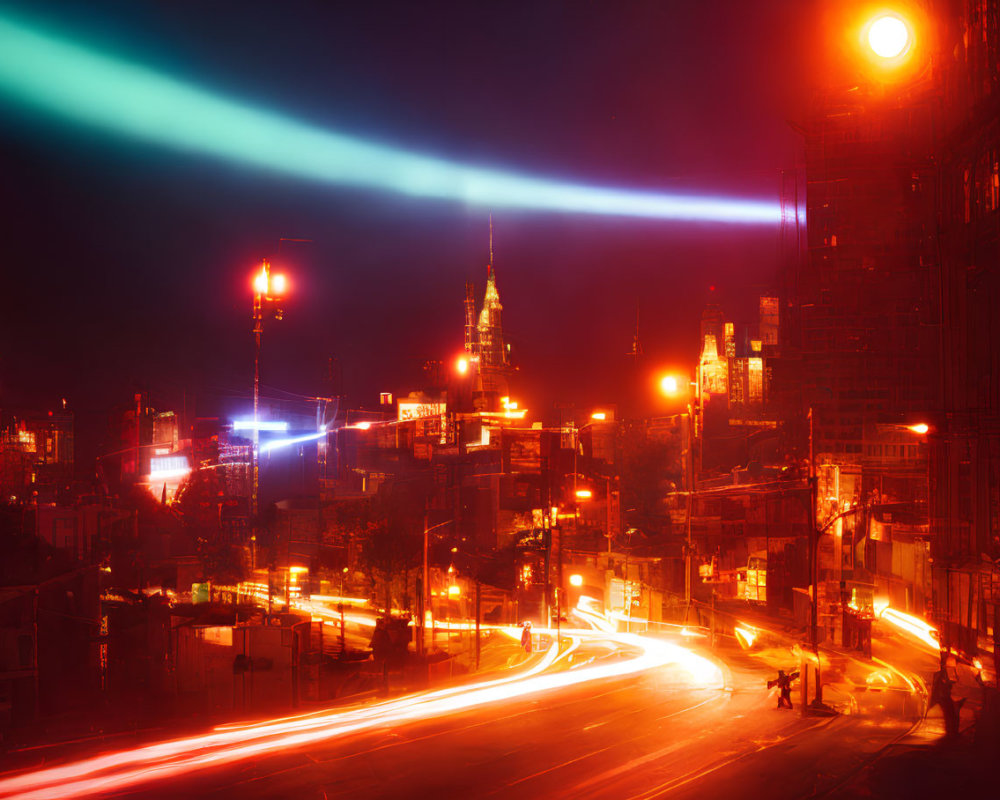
128	266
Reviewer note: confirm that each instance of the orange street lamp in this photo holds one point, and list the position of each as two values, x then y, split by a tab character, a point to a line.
584	494
576	580
462	365
669	385
920	427
889	37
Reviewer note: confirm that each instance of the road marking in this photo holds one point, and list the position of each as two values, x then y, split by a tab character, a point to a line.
448	731
683	780
603	749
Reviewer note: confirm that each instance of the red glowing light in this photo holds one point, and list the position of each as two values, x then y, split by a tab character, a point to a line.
260	282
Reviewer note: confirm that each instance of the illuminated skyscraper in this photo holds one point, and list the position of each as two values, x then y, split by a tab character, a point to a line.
492	352
484	337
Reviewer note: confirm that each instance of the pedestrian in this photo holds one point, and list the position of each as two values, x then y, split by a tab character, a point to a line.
987	730
526	637
784	684
941	696
381	645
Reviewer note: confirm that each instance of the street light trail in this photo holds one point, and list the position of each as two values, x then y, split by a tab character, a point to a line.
155	762
916	627
75	83
588	609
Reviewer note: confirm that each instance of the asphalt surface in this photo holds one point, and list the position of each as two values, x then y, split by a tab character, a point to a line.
651	735
657	733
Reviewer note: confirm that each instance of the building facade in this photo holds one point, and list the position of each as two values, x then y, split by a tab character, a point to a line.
893	305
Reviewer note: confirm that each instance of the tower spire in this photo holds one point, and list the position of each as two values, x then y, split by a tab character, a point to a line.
636	351
491	238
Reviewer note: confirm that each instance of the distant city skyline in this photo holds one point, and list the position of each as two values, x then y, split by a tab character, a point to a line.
147	282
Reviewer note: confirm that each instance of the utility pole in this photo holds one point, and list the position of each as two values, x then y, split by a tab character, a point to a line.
422	640
814	534
266	290
340	606
479	588
559	583
690	511
138	433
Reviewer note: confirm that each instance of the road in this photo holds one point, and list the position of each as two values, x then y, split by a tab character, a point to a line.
611	715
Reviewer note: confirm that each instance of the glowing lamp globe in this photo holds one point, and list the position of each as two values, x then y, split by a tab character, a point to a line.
462	365
669	385
889	37
278	284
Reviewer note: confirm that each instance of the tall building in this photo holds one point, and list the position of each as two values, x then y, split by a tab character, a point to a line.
736	418
867	297
36	455
484	341
893	305
965	439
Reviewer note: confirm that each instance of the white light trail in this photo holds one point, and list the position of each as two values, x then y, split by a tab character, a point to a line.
274	444
745	635
259	425
914	626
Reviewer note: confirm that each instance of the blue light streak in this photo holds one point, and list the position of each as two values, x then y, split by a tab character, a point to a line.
77	84
274	444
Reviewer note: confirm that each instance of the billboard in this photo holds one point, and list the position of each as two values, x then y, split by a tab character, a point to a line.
411	410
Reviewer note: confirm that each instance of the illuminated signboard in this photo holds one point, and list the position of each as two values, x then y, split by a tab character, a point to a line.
164	467
420	410
260	425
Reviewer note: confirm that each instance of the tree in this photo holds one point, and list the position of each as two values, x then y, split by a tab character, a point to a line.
649	467
200	511
499	569
392	539
348	520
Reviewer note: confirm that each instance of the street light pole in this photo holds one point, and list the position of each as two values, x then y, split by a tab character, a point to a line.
258	329
690	511
671	385
266	290
425	589
343	637
607	500
424	594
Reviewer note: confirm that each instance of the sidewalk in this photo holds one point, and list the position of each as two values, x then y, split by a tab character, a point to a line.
922	763
895	665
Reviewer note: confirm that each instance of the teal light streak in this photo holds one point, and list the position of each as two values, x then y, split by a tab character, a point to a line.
77	84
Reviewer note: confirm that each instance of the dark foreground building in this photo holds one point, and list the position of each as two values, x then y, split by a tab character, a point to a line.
892	313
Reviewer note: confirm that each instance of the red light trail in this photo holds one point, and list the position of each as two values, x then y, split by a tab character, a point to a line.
124	769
